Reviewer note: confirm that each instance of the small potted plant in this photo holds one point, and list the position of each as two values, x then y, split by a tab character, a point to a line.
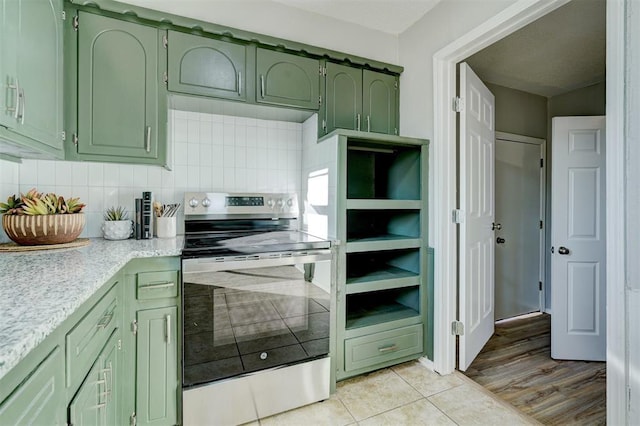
36	218
117	225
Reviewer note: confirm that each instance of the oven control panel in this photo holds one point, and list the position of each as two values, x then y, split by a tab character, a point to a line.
281	205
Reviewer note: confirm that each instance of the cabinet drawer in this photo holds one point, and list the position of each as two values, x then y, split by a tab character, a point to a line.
365	351
85	341
157	285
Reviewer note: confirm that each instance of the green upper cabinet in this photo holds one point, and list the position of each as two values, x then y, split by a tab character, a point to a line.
208	67
357	99
287	80
31	74
343	97
380	102
121	98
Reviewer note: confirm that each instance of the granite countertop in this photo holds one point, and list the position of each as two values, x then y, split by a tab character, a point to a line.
39	290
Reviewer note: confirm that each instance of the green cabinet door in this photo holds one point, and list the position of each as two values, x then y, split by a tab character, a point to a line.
31	70
39	400
287	80
157	366
380	102
96	402
119	103
343	98
207	67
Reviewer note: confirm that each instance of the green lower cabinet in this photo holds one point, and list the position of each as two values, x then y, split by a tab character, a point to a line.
120	111
157	383
39	400
287	80
97	400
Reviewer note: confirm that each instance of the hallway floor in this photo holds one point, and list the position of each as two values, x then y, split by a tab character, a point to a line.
516	365
406	394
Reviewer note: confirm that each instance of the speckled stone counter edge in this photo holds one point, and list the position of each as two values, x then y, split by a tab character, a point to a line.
39	290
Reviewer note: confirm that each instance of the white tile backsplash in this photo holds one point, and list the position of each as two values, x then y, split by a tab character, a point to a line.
210	152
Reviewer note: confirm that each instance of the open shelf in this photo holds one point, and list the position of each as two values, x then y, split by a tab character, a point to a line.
382	225
367	309
383	265
378	171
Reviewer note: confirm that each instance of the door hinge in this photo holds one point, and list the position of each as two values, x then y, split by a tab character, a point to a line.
324	125
322	71
133	421
165	77
165	41
63	135
539	285
457	328
320	100
541	162
134	328
119	344
456	216
458	104
64	15
395	131
75	23
541	225
395	84
628	398
74	139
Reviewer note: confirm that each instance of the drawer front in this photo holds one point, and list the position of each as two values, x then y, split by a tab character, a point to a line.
85	341
157	285
365	351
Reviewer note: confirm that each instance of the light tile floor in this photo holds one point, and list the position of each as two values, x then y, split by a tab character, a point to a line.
406	394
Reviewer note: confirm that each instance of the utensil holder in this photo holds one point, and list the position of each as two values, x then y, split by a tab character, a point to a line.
166	227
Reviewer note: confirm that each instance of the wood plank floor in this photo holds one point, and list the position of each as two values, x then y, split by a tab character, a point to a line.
516	365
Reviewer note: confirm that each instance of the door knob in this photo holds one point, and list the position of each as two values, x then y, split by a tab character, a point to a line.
563	250
500	240
496	226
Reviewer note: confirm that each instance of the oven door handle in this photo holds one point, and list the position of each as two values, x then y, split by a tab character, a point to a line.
204	264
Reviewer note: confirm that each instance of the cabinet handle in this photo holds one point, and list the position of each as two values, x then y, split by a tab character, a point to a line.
388	348
105	320
163	284
147	145
368	123
21	97
239	83
262	86
168	321
358	122
16	106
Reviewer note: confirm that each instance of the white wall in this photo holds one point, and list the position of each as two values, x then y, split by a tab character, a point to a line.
210	153
277	20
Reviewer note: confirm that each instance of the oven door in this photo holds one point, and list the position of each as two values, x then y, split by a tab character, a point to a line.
252	313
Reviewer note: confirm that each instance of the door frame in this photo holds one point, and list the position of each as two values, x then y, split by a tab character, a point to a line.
444	149
542	143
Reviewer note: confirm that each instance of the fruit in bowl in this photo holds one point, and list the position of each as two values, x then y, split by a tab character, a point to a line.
35	218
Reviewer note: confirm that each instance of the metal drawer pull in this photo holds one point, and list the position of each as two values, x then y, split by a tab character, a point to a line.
262	86
163	284
239	83
368	123
168	320
358	122
388	348
105	320
147	145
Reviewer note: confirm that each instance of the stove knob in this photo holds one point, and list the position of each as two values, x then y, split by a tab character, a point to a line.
289	202
206	202
270	203
193	203
280	203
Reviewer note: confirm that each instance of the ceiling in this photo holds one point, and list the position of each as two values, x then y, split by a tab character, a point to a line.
390	16
562	51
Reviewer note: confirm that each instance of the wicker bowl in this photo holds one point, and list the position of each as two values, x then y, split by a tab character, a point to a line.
43	229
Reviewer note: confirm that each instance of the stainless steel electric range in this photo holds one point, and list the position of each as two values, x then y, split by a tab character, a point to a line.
256	309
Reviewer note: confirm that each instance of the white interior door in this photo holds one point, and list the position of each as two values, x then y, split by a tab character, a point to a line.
578	287
519	210
477	144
